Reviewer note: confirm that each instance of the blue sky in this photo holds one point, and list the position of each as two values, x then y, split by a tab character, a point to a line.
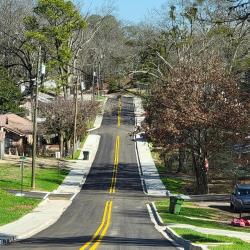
129	10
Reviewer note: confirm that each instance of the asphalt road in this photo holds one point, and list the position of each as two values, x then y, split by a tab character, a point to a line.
111	204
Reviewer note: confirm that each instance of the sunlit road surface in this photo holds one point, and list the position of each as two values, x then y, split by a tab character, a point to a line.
110	211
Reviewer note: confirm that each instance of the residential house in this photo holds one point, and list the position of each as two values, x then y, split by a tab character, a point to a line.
16	134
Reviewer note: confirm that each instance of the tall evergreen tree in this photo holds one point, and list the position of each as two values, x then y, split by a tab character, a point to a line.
10	95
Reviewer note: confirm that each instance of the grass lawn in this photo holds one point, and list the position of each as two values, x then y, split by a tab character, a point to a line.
174	184
47	179
202	214
101	98
78	151
200	238
12	207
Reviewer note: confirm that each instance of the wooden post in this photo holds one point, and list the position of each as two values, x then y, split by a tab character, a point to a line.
38	78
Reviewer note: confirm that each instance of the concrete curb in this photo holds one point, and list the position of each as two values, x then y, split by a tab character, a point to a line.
144	187
186	244
49	211
160	228
150	179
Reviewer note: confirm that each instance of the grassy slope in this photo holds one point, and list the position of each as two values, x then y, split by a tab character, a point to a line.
12	207
200	238
200	213
173	184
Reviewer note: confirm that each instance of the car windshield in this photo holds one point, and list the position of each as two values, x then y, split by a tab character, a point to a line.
243	192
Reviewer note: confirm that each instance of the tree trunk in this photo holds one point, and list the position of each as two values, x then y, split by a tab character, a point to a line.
61	144
168	162
68	146
200	174
181	158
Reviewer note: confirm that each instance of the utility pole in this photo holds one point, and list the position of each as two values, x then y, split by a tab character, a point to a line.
99	77
81	86
93	82
75	117
38	77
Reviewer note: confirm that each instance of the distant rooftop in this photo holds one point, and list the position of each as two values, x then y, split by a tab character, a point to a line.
15	123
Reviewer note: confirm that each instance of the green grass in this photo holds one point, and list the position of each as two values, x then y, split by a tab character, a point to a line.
199	213
101	98
189	209
200	238
240	245
78	151
76	154
174	185
47	179
12	207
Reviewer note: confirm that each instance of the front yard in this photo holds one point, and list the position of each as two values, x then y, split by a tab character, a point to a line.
193	214
200	217
47	179
224	242
13	207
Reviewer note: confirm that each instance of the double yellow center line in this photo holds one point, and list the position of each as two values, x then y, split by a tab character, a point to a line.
102	229
96	239
119	112
116	163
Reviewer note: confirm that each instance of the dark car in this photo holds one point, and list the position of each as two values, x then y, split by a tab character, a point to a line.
240	198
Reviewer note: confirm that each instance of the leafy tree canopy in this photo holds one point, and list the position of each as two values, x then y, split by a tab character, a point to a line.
52	26
10	95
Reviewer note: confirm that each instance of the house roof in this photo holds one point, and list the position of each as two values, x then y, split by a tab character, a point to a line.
16	124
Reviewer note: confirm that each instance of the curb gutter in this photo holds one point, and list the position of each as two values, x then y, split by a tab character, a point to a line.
176	239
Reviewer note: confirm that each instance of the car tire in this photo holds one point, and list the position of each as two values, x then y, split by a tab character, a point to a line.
231	206
235	209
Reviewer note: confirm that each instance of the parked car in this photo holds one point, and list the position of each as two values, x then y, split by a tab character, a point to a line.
240	198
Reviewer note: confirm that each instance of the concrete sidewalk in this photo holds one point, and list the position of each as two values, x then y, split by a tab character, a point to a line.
149	173
50	210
